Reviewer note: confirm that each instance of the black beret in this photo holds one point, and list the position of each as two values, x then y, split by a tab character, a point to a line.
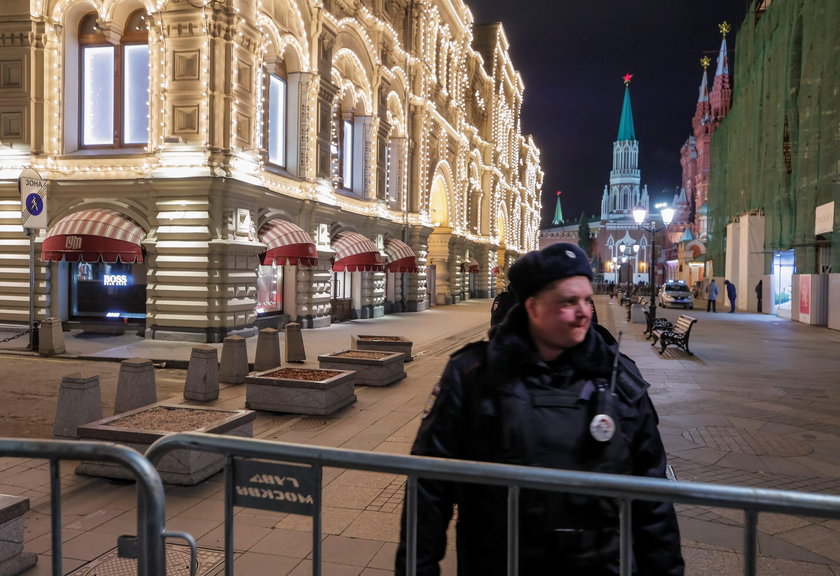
536	270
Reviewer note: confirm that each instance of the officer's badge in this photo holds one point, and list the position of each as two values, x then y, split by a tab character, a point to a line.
602	427
430	403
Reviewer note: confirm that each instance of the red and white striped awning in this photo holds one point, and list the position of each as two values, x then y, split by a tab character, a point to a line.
354	253
399	257
94	235
287	243
470	265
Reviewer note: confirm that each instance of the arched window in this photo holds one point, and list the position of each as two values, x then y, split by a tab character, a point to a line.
345	157
135	82
114	84
277	121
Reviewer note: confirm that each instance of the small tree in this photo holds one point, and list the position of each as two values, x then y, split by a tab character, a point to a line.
584	240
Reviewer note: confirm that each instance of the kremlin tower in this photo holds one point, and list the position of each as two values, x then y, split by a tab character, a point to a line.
712	108
623	193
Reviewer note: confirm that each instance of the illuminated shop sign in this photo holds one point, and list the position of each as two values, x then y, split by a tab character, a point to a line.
116	280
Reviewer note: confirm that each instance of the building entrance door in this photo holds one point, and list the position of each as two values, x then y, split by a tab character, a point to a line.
782	285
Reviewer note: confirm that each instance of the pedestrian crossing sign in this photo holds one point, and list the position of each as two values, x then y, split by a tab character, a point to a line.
33	199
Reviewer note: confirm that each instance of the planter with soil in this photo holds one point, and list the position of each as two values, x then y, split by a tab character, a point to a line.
373	368
300	390
139	428
382	344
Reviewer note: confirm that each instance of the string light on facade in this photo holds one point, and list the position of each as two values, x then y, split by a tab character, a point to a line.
446	120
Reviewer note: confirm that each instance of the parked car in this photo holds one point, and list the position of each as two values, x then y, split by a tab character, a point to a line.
676	293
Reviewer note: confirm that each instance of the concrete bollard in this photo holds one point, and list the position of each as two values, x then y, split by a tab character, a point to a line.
51	337
135	385
13	559
268	350
202	375
79	402
637	314
294	343
234	367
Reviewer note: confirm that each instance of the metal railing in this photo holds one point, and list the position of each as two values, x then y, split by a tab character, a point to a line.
149	546
625	489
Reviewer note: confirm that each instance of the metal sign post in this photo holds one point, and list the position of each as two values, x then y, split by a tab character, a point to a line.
33	215
281	487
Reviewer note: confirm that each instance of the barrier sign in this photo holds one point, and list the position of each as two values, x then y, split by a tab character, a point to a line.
33	199
274	486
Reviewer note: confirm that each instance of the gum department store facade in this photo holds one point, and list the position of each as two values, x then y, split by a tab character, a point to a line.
215	166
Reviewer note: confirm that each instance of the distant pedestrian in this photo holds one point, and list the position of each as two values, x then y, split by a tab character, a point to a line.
712	293
730	294
759	293
502	304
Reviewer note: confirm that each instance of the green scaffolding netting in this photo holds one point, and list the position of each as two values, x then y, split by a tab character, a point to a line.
778	149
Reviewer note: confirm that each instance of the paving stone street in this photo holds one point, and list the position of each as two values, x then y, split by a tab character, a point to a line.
758	404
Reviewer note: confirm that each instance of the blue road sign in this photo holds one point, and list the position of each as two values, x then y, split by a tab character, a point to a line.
34	204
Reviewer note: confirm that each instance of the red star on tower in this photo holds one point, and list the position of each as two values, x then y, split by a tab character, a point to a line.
627	78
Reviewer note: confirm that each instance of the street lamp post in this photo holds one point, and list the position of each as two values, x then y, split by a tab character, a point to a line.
629	257
621	249
639	215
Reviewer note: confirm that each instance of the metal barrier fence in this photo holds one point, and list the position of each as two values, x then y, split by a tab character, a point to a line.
624	488
148	547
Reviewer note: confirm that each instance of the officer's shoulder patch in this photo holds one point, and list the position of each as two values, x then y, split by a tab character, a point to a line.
632	386
431	401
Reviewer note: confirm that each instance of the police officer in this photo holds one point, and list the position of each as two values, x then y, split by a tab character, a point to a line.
539	393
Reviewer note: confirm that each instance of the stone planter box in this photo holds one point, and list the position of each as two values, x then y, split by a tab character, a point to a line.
300	390
373	368
382	344
139	428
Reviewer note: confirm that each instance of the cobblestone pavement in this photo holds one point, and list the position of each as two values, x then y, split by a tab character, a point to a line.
757	405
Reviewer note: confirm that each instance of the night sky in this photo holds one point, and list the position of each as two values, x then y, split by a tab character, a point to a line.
572	55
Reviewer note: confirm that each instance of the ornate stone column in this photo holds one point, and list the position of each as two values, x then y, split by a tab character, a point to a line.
439	258
302	105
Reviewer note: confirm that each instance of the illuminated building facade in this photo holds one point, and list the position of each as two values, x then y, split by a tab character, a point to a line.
217	166
774	183
695	159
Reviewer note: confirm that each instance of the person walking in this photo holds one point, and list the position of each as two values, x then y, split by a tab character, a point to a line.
548	389
759	293
711	294
731	294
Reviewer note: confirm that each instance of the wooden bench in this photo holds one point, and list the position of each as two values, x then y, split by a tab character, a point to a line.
678	335
659	324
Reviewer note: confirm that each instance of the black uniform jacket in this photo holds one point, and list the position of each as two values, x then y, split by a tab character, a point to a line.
498	401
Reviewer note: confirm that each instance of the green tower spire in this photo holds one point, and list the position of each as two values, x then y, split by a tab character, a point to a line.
558	212
626	131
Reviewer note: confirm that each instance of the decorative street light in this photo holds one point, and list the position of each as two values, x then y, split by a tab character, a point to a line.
624	259
639	215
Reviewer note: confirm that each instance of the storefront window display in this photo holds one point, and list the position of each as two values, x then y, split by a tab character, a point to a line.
269	289
103	290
